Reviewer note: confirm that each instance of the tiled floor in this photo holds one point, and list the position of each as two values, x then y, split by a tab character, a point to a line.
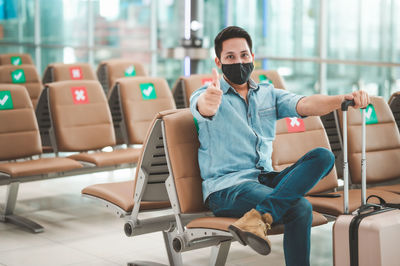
79	231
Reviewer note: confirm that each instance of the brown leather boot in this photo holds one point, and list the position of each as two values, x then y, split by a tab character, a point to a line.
251	230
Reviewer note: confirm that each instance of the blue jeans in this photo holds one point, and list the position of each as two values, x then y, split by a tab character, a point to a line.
282	195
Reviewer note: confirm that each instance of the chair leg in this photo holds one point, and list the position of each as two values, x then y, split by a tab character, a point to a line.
8	215
174	257
219	253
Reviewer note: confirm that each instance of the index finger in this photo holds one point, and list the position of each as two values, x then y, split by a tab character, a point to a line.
215	78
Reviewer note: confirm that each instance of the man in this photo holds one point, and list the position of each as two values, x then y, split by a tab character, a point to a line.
236	120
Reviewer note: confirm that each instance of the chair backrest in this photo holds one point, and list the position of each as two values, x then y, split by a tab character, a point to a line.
138	99
15	59
60	72
25	75
394	103
185	86
152	167
110	70
19	134
268	76
382	143
332	129
80	115
182	145
294	138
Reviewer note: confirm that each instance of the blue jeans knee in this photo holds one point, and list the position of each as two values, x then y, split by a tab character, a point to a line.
323	157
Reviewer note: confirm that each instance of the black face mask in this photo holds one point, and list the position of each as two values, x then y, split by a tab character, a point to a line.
237	73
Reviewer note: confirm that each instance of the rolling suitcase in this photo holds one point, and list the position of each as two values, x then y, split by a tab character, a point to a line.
371	235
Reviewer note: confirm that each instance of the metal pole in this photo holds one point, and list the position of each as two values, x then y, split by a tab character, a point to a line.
90	30
153	37
363	162
345	166
37	40
322	46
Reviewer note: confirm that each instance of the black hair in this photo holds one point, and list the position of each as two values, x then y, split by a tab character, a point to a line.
229	33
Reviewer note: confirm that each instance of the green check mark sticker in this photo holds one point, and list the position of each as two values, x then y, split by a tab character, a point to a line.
130	71
263	79
148	91
16	60
18	76
370	115
6	100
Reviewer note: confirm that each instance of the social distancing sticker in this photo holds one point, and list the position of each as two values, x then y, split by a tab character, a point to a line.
148	91
130	71
76	73
370	115
16	60
263	79
18	76
79	95
206	81
295	124
6	102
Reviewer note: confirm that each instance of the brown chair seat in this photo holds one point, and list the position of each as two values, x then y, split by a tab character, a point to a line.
334	206
391	188
39	166
116	157
121	194
222	223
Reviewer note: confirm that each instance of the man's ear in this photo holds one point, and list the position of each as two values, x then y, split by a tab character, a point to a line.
218	62
252	55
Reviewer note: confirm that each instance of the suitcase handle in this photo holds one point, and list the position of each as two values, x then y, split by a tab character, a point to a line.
346	104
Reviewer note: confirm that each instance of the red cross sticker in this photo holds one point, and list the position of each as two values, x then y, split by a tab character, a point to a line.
75	72
206	81
295	124
79	95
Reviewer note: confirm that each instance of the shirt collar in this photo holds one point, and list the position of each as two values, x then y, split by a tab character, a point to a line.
225	85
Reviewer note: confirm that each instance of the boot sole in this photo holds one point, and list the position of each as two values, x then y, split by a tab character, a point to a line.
237	234
257	243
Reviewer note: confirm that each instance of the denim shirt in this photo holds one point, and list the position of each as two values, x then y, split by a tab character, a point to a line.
236	143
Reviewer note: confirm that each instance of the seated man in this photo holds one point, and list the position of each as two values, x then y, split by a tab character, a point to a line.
236	120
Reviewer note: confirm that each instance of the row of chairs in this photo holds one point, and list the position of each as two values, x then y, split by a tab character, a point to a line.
171	148
74	118
19	69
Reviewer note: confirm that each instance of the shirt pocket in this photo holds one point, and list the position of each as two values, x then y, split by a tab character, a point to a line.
267	119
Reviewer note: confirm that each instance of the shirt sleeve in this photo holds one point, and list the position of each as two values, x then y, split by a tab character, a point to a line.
286	103
193	105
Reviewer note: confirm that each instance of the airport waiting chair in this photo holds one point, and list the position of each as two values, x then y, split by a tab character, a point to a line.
61	72
394	103
294	138
109	71
25	75
134	102
382	146
19	142
15	59
185	86
145	193
268	76
78	119
185	193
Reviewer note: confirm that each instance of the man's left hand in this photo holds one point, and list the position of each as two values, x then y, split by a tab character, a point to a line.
361	98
